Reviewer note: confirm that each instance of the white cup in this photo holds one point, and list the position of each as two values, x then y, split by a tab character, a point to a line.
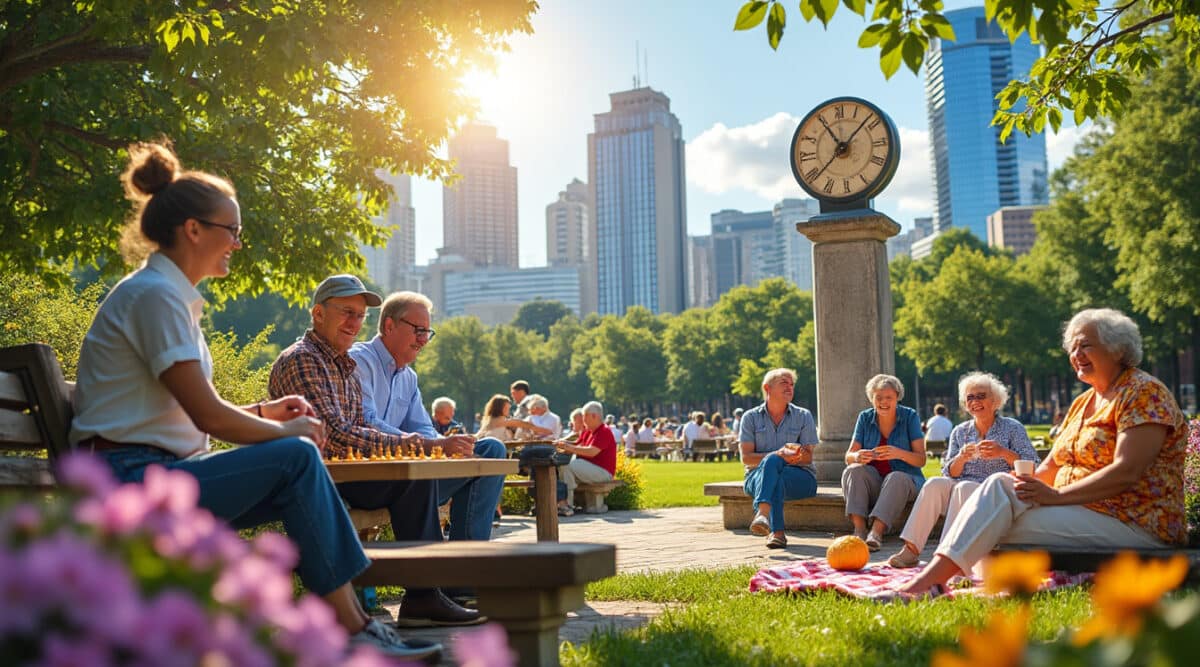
1023	468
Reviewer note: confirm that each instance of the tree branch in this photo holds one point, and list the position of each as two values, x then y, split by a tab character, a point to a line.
81	52
84	135
37	51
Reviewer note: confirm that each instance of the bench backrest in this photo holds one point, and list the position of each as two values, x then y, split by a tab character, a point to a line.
645	447
35	414
704	446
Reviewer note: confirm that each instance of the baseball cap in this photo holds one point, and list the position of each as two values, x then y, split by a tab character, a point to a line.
344	284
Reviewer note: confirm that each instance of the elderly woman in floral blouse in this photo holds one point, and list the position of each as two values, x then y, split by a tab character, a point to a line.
985	444
1114	478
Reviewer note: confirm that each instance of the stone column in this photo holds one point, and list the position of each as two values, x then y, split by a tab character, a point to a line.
852	308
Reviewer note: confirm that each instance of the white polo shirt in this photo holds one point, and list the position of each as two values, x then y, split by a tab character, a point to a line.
147	323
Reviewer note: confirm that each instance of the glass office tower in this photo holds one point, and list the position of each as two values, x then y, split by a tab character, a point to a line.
976	174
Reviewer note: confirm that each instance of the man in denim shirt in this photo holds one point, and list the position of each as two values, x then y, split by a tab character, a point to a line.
776	441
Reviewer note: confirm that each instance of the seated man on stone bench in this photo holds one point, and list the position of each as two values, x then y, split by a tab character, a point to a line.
595	455
320	368
1114	479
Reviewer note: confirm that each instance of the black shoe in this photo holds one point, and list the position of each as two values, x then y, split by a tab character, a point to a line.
435	610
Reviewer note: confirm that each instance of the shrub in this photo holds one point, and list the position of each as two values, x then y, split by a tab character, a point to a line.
1191	482
516	500
139	575
33	311
628	497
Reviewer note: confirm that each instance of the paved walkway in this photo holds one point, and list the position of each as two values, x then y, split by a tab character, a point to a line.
657	540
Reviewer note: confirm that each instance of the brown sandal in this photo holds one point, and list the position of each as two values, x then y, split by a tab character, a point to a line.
776	541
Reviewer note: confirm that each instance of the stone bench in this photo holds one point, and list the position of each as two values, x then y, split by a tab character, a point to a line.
824	512
527	588
591	496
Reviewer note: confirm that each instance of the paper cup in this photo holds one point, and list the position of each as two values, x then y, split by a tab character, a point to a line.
1023	468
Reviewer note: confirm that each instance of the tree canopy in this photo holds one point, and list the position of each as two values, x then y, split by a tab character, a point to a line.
297	103
1095	51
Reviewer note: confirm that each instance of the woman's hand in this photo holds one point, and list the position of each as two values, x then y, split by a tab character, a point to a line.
884	453
1034	491
865	455
990	449
969	450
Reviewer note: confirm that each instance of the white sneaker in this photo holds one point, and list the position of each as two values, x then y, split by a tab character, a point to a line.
389	643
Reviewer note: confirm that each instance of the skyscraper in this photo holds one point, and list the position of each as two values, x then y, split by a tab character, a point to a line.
567	223
795	248
975	173
744	249
479	211
392	266
636	171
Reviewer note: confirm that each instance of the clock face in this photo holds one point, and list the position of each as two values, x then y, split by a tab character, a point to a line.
845	149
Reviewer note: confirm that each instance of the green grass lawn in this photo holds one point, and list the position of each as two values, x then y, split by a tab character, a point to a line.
716	621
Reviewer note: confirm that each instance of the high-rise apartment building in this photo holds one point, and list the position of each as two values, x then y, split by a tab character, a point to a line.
636	172
745	250
1012	227
567	223
479	211
975	173
902	244
702	292
393	266
795	248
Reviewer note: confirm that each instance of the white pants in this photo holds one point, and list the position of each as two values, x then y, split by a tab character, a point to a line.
581	470
994	514
939	495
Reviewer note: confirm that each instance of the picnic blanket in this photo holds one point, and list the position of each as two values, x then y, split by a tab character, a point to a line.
875	581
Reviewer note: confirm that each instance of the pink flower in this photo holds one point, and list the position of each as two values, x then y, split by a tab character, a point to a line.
122	512
256	586
486	646
86	473
232	644
278	549
369	657
310	631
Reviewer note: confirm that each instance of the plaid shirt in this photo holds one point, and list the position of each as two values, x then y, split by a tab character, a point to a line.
314	370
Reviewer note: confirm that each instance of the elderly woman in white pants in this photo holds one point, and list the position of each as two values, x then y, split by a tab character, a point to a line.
982	446
1114	478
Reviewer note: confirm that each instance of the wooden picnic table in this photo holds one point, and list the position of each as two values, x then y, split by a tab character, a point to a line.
366	471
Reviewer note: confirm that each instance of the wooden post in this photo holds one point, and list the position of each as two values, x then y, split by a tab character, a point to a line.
545	484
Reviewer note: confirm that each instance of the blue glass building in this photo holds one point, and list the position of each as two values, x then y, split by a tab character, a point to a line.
976	174
636	170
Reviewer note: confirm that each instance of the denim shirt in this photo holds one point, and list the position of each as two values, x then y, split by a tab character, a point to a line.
391	398
796	426
906	430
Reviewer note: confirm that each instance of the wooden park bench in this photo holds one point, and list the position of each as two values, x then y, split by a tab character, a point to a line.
528	588
644	450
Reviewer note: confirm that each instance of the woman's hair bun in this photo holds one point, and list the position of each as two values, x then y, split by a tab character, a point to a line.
152	167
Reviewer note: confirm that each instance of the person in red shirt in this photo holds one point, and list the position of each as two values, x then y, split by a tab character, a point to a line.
595	455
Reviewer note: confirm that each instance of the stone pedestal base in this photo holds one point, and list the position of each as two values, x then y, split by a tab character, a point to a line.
829	459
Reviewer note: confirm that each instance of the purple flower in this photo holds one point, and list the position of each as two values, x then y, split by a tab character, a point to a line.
174	491
20	520
486	646
19	610
231	641
173	630
122	512
256	586
278	549
59	651
310	631
86	473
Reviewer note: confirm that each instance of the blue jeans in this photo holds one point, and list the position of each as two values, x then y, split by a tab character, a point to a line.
475	498
281	480
774	481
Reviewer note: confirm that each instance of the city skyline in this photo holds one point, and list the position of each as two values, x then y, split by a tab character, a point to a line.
736	116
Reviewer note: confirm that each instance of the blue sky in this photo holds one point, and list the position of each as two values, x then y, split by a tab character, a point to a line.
737	101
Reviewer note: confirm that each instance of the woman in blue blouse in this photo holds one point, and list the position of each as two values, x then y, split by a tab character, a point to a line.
983	445
883	463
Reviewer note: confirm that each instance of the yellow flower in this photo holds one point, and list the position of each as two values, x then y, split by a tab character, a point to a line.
1001	644
1125	589
1016	572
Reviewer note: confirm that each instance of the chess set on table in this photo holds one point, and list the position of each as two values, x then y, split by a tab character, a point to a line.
402	452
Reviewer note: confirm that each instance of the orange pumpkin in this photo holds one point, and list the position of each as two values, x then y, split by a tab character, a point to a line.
847	553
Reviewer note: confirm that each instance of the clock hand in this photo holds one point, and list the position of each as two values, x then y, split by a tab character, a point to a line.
860	126
830	130
836	154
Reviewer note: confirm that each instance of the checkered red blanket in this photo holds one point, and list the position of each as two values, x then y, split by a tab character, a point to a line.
873	581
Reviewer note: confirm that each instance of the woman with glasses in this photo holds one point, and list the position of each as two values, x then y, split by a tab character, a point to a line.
883	462
1113	480
985	444
144	394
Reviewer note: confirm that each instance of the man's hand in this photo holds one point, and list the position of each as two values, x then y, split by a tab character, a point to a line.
452	445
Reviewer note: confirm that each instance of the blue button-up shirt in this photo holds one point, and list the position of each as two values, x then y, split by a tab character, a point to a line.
1005	430
391	398
906	430
796	426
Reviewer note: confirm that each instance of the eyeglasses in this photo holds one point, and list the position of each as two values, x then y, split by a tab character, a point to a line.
234	230
419	331
977	397
350	313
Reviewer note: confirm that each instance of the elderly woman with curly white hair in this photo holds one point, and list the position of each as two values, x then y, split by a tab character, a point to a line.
985	444
1113	480
883	462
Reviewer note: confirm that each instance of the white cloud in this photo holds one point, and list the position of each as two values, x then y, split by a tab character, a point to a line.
754	158
1060	146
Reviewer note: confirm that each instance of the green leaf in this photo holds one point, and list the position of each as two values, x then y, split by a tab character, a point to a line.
891	54
189	32
750	15
1055	117
167	34
775	22
808	9
825	10
913	50
857	6
936	25
871	36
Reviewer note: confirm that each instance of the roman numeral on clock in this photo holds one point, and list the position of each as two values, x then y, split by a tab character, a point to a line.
877	159
828	185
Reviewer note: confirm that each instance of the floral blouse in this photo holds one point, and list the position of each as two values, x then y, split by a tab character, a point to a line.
1155	502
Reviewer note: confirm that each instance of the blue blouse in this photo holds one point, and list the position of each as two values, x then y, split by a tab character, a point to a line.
907	429
1005	430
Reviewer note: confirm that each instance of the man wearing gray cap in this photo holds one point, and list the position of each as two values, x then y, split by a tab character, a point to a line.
318	367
